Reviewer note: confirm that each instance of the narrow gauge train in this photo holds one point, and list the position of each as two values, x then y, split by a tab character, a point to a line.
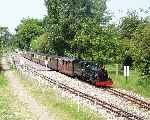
86	71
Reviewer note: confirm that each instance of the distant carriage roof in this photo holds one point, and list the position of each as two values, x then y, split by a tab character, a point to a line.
48	55
56	57
67	58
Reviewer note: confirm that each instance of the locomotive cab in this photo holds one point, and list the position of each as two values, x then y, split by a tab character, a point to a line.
98	76
103	79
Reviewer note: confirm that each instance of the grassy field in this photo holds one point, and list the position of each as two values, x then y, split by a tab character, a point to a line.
64	109
10	107
133	82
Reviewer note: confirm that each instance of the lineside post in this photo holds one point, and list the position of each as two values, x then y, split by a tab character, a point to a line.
78	100
126	72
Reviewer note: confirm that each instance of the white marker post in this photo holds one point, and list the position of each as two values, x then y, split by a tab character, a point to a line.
11	62
78	100
46	65
96	103
21	63
126	71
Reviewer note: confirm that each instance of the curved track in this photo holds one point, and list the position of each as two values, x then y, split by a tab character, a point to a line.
133	99
119	112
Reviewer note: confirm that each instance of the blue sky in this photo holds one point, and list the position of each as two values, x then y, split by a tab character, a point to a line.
12	11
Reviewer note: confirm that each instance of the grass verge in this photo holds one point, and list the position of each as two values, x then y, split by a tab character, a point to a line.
133	82
64	109
10	107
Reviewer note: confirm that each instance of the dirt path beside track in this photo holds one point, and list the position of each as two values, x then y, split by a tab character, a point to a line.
39	112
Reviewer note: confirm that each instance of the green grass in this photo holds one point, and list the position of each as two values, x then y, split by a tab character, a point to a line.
133	82
64	109
3	81
10	107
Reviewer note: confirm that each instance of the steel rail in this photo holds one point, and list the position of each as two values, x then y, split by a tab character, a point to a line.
133	99
99	102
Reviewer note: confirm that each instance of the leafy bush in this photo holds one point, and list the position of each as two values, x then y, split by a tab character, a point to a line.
142	52
40	44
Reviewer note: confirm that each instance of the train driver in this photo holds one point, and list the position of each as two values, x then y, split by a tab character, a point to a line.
102	73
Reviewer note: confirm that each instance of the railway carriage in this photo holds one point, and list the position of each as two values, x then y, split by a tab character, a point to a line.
66	65
28	55
35	58
85	70
53	62
43	58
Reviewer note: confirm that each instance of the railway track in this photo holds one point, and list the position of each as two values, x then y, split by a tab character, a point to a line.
133	99
119	112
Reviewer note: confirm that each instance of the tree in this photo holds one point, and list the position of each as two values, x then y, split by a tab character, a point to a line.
94	42
40	44
27	30
142	49
5	37
129	24
64	18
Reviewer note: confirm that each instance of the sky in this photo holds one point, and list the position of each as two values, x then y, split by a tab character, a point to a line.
12	11
120	7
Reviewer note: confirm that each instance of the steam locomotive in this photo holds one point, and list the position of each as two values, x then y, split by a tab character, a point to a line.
84	70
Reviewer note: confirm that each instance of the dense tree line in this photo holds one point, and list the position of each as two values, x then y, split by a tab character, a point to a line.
26	31
82	29
135	34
